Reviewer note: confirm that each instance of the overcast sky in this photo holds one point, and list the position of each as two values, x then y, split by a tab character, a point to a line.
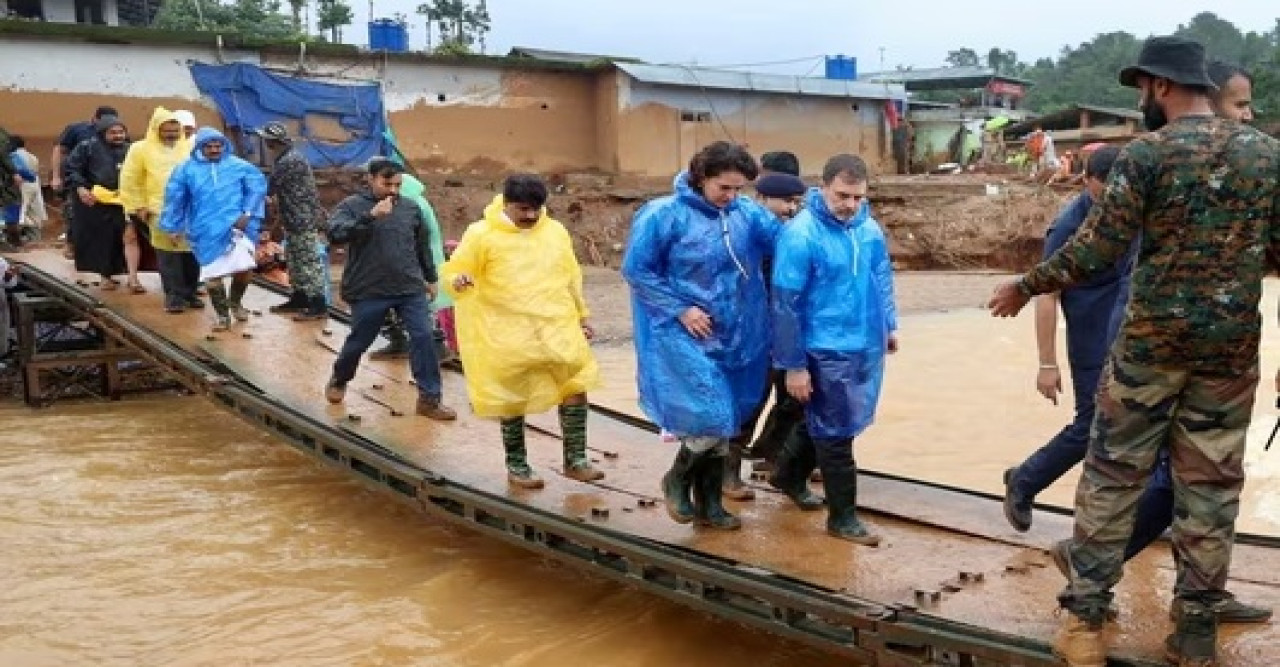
720	32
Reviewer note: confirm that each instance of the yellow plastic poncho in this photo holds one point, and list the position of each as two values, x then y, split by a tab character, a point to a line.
146	173
520	326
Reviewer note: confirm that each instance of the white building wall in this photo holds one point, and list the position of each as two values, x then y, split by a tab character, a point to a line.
72	67
64	11
411	84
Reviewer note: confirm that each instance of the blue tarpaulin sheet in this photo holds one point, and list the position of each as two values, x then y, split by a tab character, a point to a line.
249	97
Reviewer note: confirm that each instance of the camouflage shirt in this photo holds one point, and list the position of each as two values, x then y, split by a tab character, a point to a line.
1202	195
294	187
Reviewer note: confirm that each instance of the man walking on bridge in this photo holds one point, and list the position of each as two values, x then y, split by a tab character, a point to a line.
292	186
388	267
143	180
1201	193
522	325
216	201
834	320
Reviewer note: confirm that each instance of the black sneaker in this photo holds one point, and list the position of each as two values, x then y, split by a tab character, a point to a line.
195	303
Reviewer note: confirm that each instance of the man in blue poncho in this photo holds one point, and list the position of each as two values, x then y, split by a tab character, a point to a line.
831	336
214	200
701	334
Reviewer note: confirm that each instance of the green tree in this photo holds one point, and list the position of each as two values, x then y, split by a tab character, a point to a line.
295	14
1005	62
252	19
1086	74
332	15
963	57
1221	39
459	24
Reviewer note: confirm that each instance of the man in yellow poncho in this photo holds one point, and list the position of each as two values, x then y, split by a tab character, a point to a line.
142	182
522	325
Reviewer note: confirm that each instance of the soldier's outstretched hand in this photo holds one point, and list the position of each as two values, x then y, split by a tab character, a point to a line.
1008	299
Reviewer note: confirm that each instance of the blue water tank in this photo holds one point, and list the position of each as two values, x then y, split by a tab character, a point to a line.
388	35
842	67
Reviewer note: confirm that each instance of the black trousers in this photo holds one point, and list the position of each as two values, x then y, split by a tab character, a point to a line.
179	274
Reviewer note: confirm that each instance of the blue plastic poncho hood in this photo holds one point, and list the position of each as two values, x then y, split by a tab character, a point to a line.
836	327
684	252
204	198
203	136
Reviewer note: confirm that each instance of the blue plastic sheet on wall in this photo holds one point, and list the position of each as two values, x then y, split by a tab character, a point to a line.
351	115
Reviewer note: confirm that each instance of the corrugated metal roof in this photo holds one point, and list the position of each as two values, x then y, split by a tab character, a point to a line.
1069	118
1113	111
701	77
561	56
941	75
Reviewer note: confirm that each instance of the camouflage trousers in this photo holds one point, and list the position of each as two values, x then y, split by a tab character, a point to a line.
302	258
1203	421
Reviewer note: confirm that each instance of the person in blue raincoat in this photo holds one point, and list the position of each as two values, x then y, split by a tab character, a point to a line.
834	320
212	199
693	263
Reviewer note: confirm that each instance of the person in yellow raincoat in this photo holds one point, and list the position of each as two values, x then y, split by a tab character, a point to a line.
142	182
522	325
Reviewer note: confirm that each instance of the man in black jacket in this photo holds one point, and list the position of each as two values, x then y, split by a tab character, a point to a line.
388	268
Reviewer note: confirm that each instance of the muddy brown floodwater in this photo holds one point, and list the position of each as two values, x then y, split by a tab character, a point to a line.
959	404
162	531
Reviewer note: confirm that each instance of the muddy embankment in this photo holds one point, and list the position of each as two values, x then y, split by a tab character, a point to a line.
959	222
933	223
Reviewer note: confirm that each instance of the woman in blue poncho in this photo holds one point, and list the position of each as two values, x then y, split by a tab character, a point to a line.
701	321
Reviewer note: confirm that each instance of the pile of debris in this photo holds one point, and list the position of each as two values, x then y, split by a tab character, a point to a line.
1001	228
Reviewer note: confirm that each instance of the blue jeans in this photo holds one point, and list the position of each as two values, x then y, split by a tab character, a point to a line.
1067	449
367	316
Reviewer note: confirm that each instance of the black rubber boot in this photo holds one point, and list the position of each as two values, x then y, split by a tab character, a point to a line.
783	419
1194	641
296	304
238	288
677	484
315	310
793	464
443	353
841	483
734	487
221	309
397	347
708	482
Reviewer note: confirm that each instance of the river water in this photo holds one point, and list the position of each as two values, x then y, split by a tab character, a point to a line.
163	531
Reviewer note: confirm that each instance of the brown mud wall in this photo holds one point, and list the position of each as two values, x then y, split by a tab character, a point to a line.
39	117
544	122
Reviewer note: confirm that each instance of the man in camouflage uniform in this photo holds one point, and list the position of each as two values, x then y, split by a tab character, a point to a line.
1201	193
293	188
